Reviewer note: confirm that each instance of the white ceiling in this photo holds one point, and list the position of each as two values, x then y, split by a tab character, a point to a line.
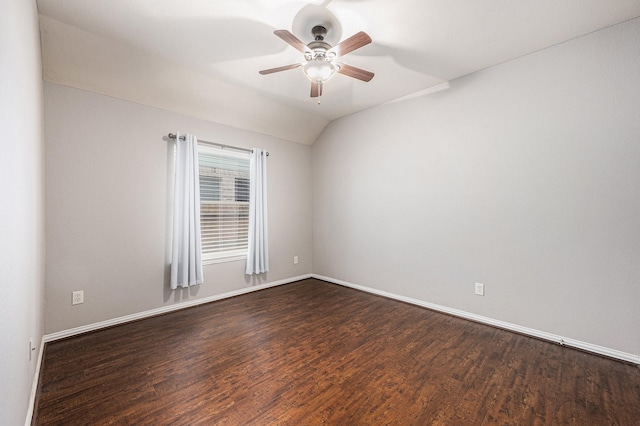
202	57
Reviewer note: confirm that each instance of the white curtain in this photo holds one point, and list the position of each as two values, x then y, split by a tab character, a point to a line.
186	253
258	254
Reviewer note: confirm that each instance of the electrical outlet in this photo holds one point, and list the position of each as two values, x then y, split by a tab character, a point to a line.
77	297
480	289
295	260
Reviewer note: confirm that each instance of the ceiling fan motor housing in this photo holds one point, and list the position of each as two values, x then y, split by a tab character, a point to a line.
319	47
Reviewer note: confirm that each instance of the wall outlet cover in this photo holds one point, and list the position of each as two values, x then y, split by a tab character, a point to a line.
480	289
77	297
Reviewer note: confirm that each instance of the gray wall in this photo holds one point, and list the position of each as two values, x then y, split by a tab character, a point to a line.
21	205
107	172
524	176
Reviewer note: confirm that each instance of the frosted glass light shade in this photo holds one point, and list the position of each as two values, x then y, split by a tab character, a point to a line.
318	70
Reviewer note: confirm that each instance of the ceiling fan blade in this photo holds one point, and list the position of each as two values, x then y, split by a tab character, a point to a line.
278	69
355	72
292	40
354	42
316	89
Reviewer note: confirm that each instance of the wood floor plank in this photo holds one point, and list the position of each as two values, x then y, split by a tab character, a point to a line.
314	353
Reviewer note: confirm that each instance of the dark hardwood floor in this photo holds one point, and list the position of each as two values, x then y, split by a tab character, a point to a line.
312	353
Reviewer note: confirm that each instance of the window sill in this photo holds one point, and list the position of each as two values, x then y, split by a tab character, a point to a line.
224	260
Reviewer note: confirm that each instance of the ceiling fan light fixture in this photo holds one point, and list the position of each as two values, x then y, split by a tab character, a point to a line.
319	70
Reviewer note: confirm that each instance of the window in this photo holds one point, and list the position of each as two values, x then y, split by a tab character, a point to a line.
209	187
224	203
242	189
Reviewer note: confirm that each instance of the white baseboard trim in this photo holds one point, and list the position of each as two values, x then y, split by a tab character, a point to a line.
589	347
165	309
34	385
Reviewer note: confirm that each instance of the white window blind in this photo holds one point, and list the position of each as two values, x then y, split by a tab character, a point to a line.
224	203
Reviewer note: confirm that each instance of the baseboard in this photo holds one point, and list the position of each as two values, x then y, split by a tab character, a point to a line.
34	385
589	347
164	309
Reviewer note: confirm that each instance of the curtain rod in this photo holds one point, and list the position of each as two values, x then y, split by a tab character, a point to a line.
221	145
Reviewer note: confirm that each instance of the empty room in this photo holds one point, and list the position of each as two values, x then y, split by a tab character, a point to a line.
339	212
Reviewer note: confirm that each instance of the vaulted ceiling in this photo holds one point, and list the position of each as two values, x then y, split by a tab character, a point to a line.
201	57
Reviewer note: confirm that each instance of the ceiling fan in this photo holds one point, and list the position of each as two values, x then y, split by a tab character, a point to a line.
321	58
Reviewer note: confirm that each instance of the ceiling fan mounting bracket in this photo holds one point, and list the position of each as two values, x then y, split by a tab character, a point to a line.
319	32
318	46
